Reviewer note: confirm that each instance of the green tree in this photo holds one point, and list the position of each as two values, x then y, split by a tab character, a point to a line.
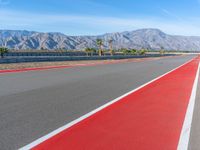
87	50
3	50
42	49
93	50
111	47
162	51
100	45
90	51
125	51
142	52
133	51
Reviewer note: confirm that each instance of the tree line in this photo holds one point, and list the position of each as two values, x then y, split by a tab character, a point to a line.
101	51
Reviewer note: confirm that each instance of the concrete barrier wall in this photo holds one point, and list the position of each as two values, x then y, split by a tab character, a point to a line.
70	58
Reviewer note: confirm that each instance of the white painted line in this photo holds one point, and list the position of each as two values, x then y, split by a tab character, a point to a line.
185	132
57	131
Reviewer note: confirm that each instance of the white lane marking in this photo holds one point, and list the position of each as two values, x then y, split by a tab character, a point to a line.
185	132
57	131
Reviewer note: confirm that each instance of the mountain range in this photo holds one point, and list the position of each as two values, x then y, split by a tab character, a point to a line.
153	39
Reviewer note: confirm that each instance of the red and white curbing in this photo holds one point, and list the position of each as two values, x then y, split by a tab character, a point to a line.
185	132
184	138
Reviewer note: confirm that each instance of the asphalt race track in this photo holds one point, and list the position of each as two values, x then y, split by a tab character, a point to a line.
34	103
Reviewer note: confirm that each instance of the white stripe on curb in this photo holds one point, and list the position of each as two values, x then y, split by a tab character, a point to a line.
57	131
185	132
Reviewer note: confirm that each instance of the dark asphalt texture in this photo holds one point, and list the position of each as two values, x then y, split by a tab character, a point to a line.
32	104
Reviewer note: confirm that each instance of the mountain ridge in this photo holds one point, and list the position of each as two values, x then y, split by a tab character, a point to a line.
149	38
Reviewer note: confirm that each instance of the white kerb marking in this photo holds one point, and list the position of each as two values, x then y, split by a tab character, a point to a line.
185	132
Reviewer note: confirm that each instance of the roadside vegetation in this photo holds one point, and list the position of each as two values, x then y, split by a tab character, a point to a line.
111	47
162	51
90	51
100	45
133	51
3	51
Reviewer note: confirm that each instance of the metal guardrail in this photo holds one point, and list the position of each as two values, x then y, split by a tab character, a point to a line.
17	54
31	54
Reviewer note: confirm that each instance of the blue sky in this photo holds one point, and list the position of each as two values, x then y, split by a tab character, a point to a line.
92	17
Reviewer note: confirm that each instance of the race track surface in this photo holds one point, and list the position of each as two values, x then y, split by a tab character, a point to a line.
34	103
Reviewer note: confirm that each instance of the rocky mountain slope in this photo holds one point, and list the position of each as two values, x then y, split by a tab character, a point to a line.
144	38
